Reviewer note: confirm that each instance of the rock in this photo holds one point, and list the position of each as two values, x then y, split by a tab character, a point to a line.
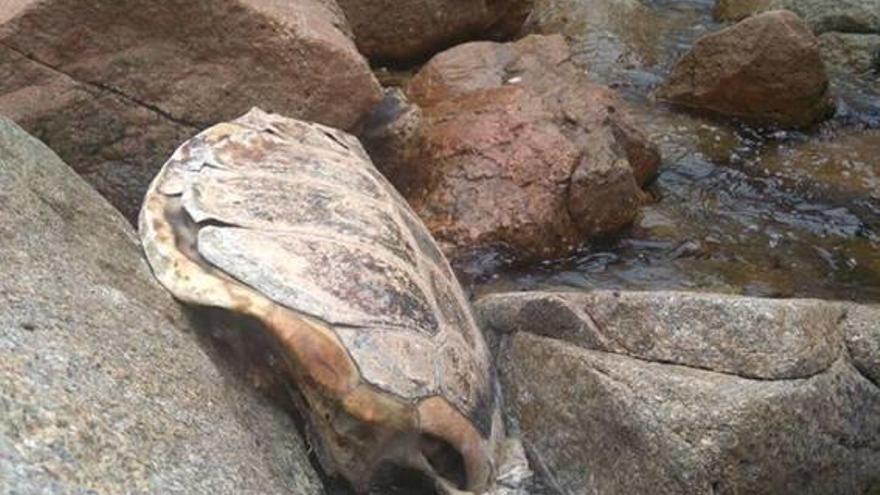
784	339
856	52
11	8
737	10
849	16
406	30
104	385
862	333
114	87
686	393
510	146
766	70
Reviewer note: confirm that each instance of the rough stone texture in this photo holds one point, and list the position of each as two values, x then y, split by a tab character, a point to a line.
767	69
762	339
404	30
852	16
103	386
114	87
510	146
608	424
702	394
849	31
862	334
857	52
737	10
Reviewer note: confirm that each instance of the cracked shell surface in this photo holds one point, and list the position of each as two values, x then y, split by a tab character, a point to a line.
296	212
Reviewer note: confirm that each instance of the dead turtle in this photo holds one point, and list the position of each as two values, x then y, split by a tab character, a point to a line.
288	222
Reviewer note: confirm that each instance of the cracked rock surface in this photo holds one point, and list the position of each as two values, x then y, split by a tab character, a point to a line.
510	146
671	392
104	385
114	87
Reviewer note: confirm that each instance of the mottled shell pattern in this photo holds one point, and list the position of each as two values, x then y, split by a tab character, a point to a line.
289	222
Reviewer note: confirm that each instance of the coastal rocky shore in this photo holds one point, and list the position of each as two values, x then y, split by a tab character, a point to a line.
511	247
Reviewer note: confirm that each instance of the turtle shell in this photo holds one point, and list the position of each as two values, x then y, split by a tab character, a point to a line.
267	212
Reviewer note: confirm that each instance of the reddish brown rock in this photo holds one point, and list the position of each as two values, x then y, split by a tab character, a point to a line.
510	146
114	87
404	30
767	70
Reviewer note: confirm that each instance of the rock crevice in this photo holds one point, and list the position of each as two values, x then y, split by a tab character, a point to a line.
109	89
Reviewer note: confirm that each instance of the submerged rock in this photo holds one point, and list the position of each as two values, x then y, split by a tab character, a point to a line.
766	70
688	393
511	146
407	30
114	87
104	385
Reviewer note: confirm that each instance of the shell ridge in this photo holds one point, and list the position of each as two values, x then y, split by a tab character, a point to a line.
324	298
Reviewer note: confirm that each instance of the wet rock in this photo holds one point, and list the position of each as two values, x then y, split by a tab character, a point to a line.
850	16
104	386
510	146
406	30
856	52
766	69
114	87
848	31
685	393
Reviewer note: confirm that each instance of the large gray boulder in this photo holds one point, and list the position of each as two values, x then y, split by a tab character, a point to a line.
104	385
637	393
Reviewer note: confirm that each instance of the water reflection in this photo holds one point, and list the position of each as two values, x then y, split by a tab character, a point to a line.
738	210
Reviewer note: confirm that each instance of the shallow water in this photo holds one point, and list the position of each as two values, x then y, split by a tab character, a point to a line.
737	209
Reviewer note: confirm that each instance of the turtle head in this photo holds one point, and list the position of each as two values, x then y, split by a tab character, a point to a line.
370	436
